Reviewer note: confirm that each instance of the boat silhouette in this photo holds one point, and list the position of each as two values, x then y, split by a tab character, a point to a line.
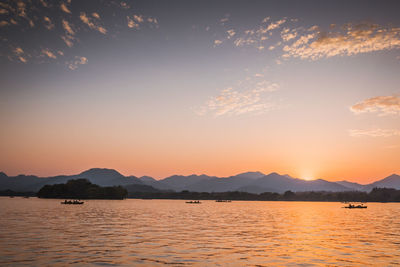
351	206
193	202
72	202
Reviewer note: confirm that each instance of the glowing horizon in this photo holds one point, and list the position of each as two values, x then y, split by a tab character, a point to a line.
202	87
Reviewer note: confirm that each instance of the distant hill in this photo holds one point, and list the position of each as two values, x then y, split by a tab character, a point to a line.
250	175
392	181
101	177
82	189
251	182
353	186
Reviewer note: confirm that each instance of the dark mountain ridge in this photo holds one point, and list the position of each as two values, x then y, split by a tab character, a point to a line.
251	182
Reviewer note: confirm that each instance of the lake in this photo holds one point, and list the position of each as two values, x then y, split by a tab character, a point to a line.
42	232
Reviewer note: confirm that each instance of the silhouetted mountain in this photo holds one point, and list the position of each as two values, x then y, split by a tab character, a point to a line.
147	179
108	177
180	182
22	183
102	177
392	181
281	183
353	186
250	175
82	189
141	188
251	182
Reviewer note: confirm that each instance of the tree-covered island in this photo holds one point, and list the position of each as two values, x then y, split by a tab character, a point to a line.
82	189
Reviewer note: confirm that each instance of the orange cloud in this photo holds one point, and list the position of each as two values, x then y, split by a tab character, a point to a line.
49	54
64	8
374	133
247	97
85	19
73	65
48	23
356	39
383	105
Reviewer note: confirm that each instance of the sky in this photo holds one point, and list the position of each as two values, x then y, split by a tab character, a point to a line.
305	88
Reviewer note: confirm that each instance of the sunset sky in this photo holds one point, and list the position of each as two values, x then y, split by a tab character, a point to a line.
305	88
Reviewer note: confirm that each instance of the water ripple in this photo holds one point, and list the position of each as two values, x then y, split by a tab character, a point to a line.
169	232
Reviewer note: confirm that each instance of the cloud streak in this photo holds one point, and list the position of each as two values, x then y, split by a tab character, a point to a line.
383	105
246	97
255	37
352	40
48	53
61	22
90	22
73	65
135	21
64	8
374	132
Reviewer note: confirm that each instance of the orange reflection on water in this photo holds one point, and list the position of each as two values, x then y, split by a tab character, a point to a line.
157	232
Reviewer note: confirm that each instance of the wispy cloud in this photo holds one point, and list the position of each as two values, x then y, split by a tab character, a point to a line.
136	20
374	133
225	19
217	42
352	40
255	37
23	18
67	27
132	23
4	23
72	65
48	23
125	5
248	96
384	105
20	54
68	38
91	23
48	53
231	33
64	8
288	34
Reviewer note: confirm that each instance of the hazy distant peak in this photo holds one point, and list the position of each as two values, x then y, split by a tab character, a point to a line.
390	178
101	171
251	175
147	178
274	174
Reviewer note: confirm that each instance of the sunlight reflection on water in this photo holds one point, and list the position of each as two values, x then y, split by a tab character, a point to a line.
157	232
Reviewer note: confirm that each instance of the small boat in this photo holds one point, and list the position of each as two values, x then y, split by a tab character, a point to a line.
72	202
193	202
351	206
223	200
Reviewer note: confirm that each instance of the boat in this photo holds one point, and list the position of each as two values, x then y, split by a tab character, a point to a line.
351	206
223	200
193	202
72	202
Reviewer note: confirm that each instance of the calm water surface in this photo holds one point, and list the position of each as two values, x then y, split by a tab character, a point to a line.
41	232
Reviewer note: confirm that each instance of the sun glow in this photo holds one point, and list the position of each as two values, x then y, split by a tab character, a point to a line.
308	177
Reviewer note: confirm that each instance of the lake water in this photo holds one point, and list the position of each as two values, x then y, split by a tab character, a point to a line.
42	232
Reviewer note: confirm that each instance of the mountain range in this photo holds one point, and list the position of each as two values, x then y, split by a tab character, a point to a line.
252	182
